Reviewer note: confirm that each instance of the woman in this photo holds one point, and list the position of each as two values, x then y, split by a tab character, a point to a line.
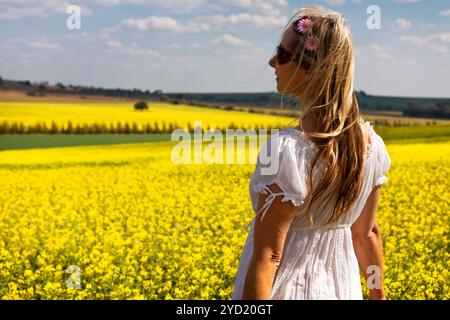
315	224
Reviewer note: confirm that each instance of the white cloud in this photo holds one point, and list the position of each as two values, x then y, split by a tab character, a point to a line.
406	1
154	23
253	54
204	23
402	24
427	26
340	2
197	45
107	2
180	6
443	37
200	23
255	20
427	42
335	2
230	40
134	50
39	42
114	44
445	13
168	24
249	54
84	38
414	40
381	53
45	45
17	9
253	4
236	3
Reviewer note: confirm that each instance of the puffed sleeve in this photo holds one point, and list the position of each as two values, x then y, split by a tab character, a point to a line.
281	160
384	162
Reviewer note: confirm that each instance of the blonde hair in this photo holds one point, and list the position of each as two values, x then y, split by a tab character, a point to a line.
328	98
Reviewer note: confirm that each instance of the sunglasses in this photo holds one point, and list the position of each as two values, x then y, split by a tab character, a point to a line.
283	56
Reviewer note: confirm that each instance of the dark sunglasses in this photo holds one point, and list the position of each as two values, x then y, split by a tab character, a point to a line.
283	56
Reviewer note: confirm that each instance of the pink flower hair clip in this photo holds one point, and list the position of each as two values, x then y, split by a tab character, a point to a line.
303	25
312	43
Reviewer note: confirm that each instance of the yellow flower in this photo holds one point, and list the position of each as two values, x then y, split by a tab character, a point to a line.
131	224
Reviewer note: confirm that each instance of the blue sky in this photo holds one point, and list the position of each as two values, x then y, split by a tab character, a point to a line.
215	46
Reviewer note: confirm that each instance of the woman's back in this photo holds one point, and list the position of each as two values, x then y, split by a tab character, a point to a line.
318	262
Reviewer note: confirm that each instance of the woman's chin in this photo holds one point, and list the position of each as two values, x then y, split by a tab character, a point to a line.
278	87
281	88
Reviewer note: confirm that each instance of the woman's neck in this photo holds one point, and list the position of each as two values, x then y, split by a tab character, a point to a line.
308	125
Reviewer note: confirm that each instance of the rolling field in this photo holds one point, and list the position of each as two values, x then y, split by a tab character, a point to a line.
112	217
32	141
406	134
138	226
109	117
119	117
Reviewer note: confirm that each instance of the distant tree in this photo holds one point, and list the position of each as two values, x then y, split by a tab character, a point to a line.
60	86
69	128
135	128
141	105
54	128
148	128
363	93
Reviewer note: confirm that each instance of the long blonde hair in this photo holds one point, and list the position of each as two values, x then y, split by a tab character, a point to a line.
329	99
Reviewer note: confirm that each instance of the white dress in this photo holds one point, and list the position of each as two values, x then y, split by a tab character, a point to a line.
317	263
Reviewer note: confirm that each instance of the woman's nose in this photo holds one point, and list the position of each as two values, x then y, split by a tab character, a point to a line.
272	61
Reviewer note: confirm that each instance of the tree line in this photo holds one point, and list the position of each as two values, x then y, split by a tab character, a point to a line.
439	110
111	128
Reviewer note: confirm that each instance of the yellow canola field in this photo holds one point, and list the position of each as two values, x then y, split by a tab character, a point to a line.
124	222
109	114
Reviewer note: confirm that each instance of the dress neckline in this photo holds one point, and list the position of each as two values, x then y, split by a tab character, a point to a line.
372	137
313	145
303	134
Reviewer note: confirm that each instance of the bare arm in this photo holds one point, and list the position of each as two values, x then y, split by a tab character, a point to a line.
368	246
269	236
